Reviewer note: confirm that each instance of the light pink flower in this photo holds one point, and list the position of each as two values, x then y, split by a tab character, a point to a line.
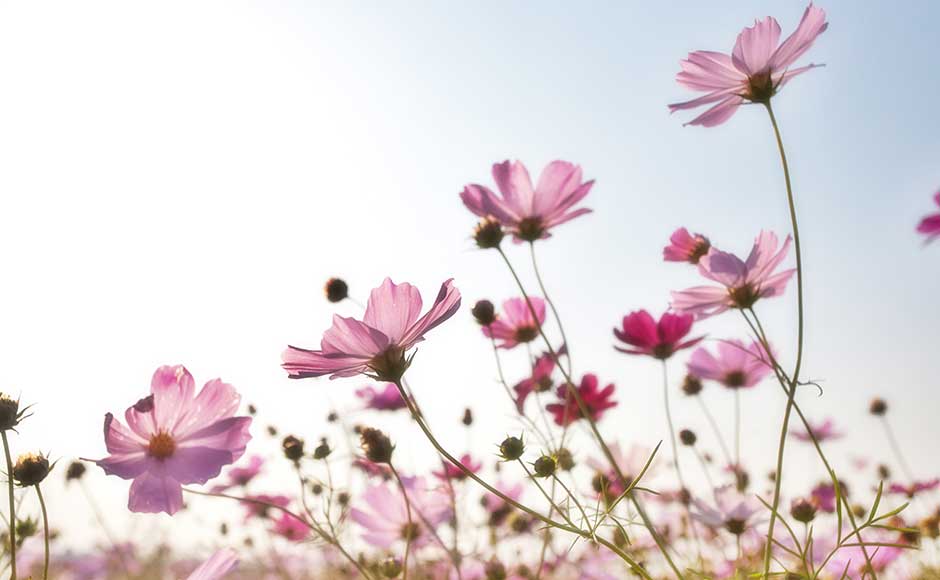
451	471
387	399
596	401
930	225
241	475
217	566
849	562
656	339
377	344
914	488
175	437
371	468
530	212
742	282
824	431
758	66
540	380
515	325
686	247
384	515
736	365
732	511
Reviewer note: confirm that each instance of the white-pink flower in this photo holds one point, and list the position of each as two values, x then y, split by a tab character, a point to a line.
383	514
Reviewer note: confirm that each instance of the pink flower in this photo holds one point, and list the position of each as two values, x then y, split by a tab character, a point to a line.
175	437
631	463
742	282
384	517
824	496
540	380
379	342
496	507
658	340
849	561
755	70
388	399
529	213
914	488
596	400
450	471
241	475
733	511
291	527
258	509
736	365
685	247
217	566
825	431
516	325
371	468
930	225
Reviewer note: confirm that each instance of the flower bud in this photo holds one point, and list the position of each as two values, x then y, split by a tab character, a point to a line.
692	385
336	290
391	568
511	448
687	437
293	448
376	445
10	413
484	312
343	498
467	418
884	472
75	471
565	460
488	233
545	466
322	450
802	510
30	469
495	570
878	407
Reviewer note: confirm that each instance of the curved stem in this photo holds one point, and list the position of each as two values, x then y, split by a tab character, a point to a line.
404	494
791	391
6	452
45	534
551	304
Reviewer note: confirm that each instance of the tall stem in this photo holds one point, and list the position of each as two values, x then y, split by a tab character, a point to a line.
672	429
551	304
791	392
404	494
6	452
45	534
715	429
892	440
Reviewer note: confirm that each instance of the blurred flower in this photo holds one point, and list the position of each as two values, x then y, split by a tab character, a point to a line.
656	339
631	462
515	325
256	506
387	399
529	213
736	365
378	343
914	488
175	437
217	566
930	225
824	496
743	283
825	431
540	380
732	511
241	475
596	401
496	507
849	561
451	471
686	247
291	527
384	513
755	70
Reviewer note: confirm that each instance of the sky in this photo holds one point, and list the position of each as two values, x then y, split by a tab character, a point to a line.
178	180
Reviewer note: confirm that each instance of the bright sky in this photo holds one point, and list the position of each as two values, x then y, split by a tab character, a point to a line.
177	181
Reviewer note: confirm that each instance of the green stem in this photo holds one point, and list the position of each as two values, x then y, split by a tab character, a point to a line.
551	304
45	534
6	452
404	494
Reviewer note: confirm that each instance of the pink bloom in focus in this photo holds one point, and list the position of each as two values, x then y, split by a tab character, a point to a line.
743	283
174	437
685	247
384	515
377	344
596	400
930	225
217	566
736	365
451	471
515	325
291	527
540	380
388	399
758	66
825	431
656	339
913	489
530	212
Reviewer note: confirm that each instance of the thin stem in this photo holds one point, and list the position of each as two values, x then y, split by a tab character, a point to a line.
716	429
573	497
791	392
45	533
672	428
737	428
892	440
551	304
404	493
6	452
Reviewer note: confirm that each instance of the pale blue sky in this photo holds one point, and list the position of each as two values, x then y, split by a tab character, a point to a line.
178	179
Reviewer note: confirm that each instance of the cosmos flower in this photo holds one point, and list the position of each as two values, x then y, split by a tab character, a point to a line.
656	339
743	283
496	507
451	471
530	212
732	511
824	495
737	365
596	400
686	247
217	566
825	431
174	437
914	488
241	475
377	344
383	514
758	67
387	399
849	561
540	380
290	527
515	325
930	225
254	509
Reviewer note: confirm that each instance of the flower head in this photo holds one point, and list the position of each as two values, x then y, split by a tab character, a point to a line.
913	488
174	437
630	461
291	527
451	471
384	514
528	212
656	339
31	469
737	365
686	247
378	343
596	401
758	66
930	225
824	431
540	380
386	399
516	325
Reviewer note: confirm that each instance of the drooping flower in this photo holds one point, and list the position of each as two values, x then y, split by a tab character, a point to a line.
743	283
377	344
656	339
387	399
732	511
686	247
541	378
914	488
596	400
737	365
451	471
758	66
515	324
825	431
384	513
174	437
930	225
526	211
217	566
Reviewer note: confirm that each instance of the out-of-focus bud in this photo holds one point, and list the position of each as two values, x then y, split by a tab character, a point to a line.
376	445
467	418
687	436
495	570
336	290
10	413
322	450
878	407
802	510
391	567
75	471
565	460
484	312
293	448
692	385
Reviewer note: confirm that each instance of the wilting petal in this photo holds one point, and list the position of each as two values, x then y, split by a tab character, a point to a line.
393	309
811	26
154	492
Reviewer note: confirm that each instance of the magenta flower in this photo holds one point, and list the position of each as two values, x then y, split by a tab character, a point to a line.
258	509
387	399
914	488
217	566
742	282
530	212
656	339
377	344
290	527
758	66
175	437
516	325
686	247
384	517
930	225
736	365
371	468
825	431
540	380
597	401
823	495
451	471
